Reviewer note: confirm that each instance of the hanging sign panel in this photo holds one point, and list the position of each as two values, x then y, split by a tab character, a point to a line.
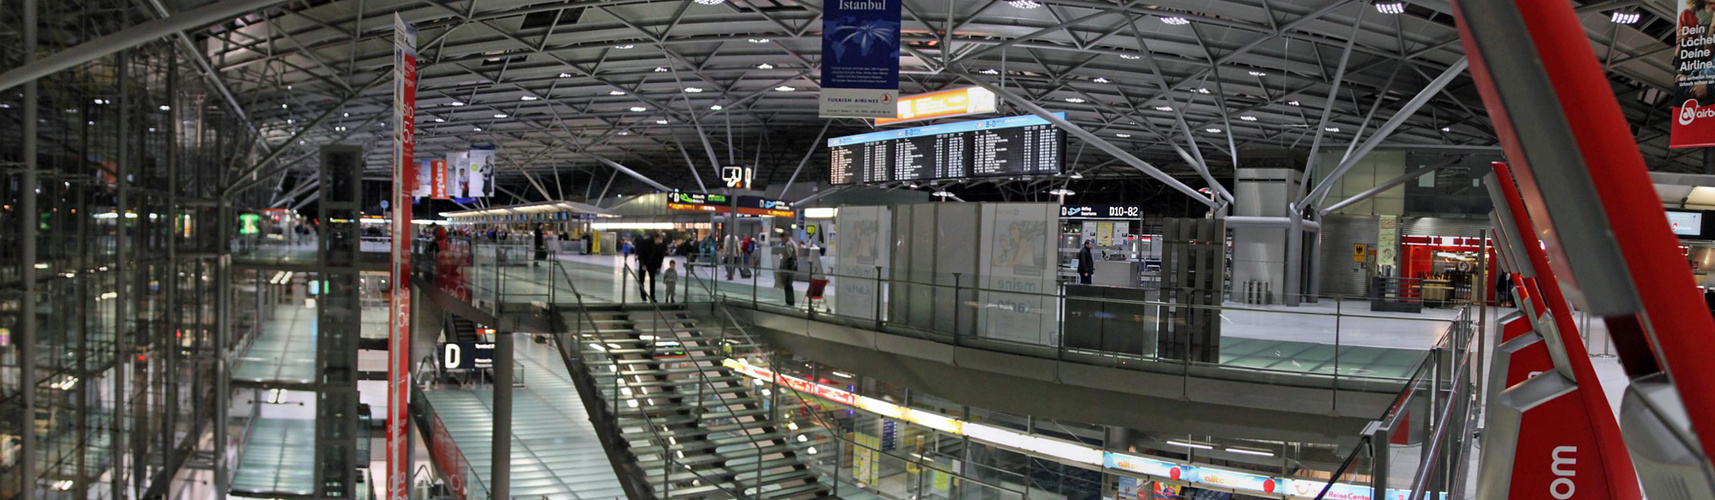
479	181
457	163
943	104
860	59
438	179
1694	92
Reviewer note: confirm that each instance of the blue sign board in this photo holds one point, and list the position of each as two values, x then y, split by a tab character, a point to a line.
860	59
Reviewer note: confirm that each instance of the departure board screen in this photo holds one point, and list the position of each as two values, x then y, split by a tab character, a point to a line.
1001	147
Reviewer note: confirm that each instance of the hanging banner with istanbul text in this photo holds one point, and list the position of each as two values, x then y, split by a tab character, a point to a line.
860	59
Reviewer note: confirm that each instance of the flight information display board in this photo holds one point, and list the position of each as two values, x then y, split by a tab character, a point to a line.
1001	147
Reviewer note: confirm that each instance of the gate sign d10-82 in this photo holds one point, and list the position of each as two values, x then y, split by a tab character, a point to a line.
467	355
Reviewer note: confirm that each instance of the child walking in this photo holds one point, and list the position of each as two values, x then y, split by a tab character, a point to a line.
671	277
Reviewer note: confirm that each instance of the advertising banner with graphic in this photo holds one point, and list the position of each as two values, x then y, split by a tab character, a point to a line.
424	180
1694	107
1019	272
480	171
861	249
1387	242
457	163
860	59
438	179
399	318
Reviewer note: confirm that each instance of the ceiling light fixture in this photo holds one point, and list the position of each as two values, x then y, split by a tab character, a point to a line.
166	107
457	103
528	98
716	107
1176	20
1212	130
1100	80
1247	451
1625	17
500	115
1061	192
623	132
565	75
1291	103
693	90
1024	4
760	40
440	120
1248	118
1391	7
1075	100
478	129
710	2
765	66
615	92
638	109
1123	136
1130	57
1164	108
625	47
339	129
1331	129
1202	90
1189	444
283	105
1258	73
1446	129
660	122
989	71
784	88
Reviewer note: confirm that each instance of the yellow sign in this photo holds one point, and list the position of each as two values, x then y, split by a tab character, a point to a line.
1358	252
955	102
1104	234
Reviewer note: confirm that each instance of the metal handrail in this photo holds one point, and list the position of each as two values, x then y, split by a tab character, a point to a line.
662	317
648	422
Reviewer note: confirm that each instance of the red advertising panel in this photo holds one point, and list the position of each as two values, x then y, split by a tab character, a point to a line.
1694	105
399	310
438	179
448	459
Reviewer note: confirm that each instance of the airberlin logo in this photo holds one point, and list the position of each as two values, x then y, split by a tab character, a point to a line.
1689	112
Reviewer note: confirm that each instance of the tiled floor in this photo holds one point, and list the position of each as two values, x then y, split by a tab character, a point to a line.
555	451
277	458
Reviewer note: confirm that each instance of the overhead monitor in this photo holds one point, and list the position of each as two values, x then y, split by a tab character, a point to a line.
1685	223
943	104
1002	147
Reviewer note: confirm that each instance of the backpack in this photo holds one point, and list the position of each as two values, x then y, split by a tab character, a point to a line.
749	245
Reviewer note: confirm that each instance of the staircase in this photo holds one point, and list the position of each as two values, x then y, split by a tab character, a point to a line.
677	422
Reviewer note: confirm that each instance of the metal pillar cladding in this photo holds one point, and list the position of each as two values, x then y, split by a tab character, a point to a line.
338	321
500	484
27	271
1193	265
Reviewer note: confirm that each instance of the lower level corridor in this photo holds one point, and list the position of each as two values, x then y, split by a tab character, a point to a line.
555	451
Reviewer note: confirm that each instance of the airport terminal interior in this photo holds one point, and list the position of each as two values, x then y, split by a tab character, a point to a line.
858	249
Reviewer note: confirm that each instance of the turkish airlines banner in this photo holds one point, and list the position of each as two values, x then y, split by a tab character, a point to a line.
1694	108
399	317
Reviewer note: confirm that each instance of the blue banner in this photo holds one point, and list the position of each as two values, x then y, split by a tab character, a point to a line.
860	59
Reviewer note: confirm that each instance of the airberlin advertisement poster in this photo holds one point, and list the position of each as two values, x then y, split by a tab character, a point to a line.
1694	104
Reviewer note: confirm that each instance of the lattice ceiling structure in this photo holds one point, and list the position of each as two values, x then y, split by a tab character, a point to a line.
560	86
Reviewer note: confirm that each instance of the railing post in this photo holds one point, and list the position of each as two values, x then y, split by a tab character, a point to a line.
878	298
1379	458
1334	397
958	310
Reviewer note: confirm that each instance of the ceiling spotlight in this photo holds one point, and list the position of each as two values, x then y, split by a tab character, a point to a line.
166	107
1061	192
1100	80
1625	17
1391	7
1024	4
660	69
1446	129
478	129
1291	103
638	109
1075	100
1202	90
1176	20
1130	57
1212	130
1258	73
528	98
1164	108
440	120
624	132
565	75
710	2
1331	129
716	107
457	103
1123	136
765	66
283	105
660	122
615	92
339	129
625	47
784	88
1248	118
151	129
760	40
500	115
989	71
99	101
289	121
1077	175
693	90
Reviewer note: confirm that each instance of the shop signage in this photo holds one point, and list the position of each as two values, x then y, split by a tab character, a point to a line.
438	179
860	59
1358	252
738	176
751	205
467	355
943	104
399	317
1100	211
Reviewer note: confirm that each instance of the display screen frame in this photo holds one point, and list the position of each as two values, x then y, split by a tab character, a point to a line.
892	137
1685	223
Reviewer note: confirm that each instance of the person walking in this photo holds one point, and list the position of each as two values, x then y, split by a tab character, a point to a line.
671	278
540	242
786	271
649	256
730	254
1086	264
749	251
